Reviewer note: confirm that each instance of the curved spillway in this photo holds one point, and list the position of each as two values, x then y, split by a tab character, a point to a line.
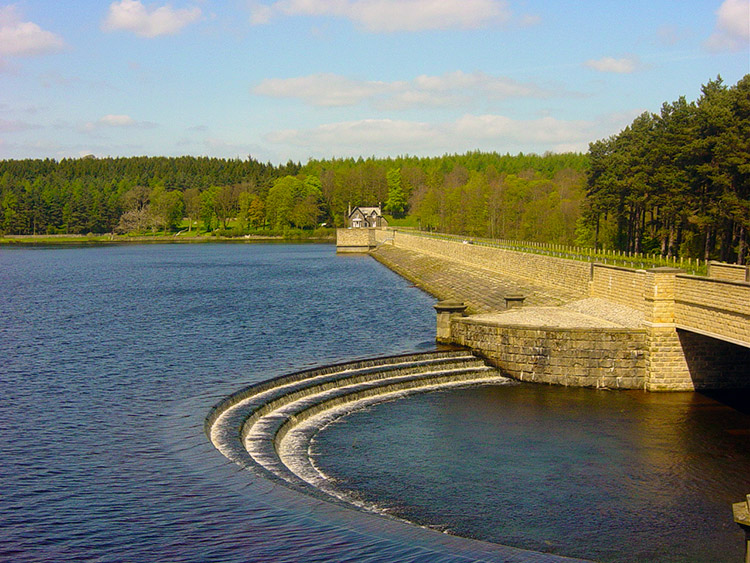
268	426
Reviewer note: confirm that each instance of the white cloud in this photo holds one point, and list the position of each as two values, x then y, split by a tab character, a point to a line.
20	38
393	15
625	65
493	86
117	121
671	35
132	15
6	67
530	20
732	31
12	126
450	89
360	137
322	89
548	131
112	120
484	132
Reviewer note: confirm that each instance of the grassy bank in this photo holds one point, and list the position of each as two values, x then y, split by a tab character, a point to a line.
291	236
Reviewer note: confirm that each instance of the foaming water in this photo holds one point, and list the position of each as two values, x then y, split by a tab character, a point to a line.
295	449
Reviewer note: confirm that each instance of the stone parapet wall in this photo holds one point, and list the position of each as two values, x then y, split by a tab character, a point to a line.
570	275
659	289
729	272
714	307
602	358
384	235
619	285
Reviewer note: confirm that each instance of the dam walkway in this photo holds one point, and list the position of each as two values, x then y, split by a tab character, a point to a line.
484	293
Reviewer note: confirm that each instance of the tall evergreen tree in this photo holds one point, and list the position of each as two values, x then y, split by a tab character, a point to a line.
396	203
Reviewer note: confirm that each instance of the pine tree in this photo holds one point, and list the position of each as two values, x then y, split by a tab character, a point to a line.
396	204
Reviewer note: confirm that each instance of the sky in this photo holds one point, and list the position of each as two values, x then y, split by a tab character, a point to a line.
283	80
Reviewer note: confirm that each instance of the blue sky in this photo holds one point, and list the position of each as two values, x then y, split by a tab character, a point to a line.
300	79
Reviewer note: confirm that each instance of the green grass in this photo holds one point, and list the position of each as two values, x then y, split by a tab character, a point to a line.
408	222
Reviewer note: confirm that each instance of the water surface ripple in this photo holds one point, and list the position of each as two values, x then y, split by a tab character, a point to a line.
111	357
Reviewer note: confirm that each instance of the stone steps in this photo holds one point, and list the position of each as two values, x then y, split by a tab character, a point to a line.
267	427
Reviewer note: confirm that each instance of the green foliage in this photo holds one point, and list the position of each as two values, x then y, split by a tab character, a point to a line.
677	183
292	202
409	222
475	193
256	212
208	207
192	200
396	204
166	208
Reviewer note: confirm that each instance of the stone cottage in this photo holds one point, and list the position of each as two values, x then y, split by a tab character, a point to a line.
366	217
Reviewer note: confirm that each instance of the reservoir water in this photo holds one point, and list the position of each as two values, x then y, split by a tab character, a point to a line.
111	357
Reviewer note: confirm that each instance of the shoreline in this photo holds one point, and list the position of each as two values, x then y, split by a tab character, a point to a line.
22	240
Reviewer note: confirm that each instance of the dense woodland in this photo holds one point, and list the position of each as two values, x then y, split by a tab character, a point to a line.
676	183
523	196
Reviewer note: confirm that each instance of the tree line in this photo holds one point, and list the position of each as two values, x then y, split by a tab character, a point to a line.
529	196
479	194
675	183
105	195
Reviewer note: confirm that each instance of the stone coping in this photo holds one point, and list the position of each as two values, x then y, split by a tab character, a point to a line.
740	283
566	317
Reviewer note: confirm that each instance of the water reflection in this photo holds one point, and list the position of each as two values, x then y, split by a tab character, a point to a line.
110	358
614	476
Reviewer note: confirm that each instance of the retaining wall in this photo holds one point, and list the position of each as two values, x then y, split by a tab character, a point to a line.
695	334
619	285
570	275
712	307
602	358
730	272
355	240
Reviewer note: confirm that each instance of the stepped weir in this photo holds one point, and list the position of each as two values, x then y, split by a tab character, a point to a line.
267	427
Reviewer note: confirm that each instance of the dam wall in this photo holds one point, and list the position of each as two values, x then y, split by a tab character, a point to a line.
575	357
713	307
568	275
355	240
729	272
619	285
692	333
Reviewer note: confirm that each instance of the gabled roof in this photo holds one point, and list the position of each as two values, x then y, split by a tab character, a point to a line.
368	211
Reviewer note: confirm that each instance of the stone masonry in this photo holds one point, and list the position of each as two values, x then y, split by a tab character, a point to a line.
658	329
355	240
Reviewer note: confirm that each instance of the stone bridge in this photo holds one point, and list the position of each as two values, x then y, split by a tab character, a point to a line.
582	324
698	328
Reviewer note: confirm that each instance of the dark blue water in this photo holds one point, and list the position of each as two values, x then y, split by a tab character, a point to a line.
111	357
618	476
